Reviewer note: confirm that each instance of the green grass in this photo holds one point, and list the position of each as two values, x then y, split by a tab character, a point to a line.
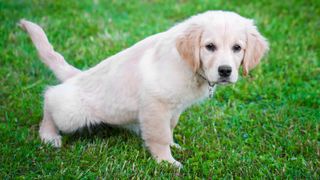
267	125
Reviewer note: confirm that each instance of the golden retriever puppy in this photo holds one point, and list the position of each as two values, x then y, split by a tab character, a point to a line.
146	87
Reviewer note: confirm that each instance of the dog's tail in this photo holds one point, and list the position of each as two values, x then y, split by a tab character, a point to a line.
51	58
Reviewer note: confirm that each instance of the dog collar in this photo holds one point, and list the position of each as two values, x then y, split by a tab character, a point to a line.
211	84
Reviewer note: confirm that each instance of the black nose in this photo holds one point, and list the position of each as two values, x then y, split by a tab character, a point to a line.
224	71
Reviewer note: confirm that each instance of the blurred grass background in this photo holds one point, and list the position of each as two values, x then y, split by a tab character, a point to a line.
267	125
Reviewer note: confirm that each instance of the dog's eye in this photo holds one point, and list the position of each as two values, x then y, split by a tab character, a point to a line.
236	48
211	47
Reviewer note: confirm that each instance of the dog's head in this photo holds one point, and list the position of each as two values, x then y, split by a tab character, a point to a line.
217	43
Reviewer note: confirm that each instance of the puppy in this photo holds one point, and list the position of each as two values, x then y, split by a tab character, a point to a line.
146	87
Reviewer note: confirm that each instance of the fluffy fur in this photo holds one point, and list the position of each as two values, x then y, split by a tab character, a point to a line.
146	87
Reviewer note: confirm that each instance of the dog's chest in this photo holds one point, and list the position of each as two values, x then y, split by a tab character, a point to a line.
191	95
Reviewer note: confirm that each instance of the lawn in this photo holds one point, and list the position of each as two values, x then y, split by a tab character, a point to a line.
266	125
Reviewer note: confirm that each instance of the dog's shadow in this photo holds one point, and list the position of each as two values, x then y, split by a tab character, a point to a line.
93	133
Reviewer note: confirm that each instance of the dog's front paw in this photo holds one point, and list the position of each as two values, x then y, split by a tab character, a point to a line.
175	145
177	164
171	161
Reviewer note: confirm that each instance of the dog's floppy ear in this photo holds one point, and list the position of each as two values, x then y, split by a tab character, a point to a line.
256	47
188	46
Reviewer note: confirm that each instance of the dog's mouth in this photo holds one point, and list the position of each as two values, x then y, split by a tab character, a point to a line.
224	81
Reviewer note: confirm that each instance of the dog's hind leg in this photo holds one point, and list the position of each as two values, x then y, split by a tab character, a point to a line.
48	131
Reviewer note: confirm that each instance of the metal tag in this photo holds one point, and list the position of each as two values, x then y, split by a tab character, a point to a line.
211	91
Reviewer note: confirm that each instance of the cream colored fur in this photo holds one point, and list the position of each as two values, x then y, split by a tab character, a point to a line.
146	87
